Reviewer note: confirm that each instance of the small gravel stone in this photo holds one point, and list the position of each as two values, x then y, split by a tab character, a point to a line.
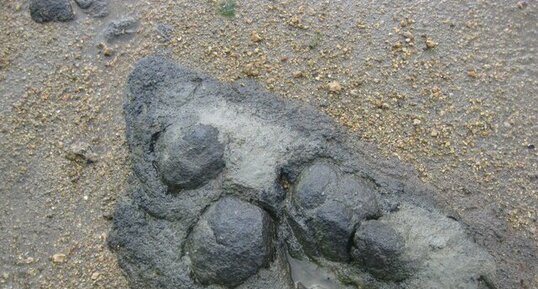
335	86
58	258
255	37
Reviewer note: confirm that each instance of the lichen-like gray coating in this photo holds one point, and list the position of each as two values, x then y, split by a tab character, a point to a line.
236	188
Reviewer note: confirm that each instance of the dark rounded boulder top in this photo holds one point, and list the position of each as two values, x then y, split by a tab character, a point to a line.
235	188
379	248
189	157
51	10
330	204
231	242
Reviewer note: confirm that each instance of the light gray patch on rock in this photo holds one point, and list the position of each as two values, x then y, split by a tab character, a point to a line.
257	181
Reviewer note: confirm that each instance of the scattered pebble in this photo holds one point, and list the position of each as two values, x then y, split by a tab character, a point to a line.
522	4
430	44
472	73
95	275
335	86
251	70
297	74
58	258
119	29
107	51
255	37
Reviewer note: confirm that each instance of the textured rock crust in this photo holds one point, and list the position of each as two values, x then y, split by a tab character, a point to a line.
51	10
236	188
230	243
95	8
120	29
189	157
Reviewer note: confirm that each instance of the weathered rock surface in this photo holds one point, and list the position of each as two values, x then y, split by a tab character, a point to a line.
379	248
231	242
120	29
51	10
189	157
236	188
327	206
95	8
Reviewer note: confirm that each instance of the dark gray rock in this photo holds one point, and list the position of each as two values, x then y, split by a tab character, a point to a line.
314	185
231	242
189	157
330	204
379	249
121	29
95	8
236	149
51	10
84	4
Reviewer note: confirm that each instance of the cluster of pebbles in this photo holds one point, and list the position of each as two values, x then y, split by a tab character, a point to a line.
233	187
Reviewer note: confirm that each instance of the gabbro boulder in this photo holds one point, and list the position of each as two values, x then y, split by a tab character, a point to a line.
236	188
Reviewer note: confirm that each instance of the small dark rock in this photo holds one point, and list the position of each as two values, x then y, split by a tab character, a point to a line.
231	243
313	186
189	157
84	4
81	152
378	247
531	146
51	10
95	8
119	29
334	227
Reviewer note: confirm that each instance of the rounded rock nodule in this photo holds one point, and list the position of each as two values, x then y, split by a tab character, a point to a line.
329	204
188	158
378	247
232	242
